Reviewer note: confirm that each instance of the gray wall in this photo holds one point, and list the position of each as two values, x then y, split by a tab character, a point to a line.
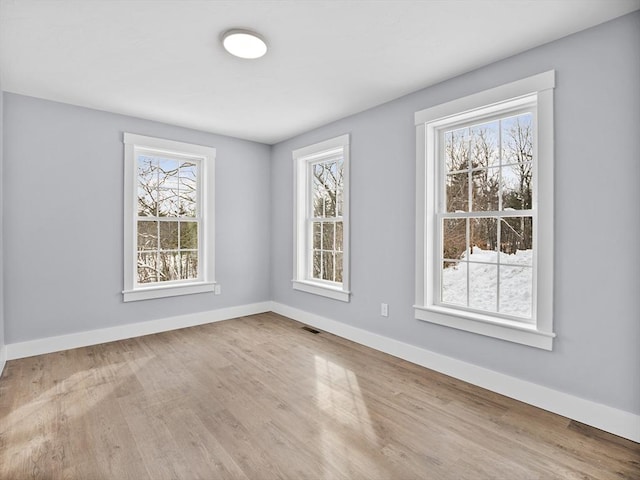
63	182
597	224
2	341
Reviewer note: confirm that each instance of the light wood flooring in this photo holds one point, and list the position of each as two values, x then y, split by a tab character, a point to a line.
260	398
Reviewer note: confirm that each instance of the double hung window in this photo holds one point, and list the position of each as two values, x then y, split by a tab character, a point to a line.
168	218
485	212
321	225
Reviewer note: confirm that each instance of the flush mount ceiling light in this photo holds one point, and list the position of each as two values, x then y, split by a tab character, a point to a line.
244	43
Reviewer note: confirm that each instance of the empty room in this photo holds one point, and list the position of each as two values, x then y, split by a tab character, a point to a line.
320	239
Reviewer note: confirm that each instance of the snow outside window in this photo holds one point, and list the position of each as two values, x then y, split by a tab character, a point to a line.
321	257
485	213
168	218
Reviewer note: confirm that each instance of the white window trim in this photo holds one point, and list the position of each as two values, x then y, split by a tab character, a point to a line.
301	281
206	283
540	333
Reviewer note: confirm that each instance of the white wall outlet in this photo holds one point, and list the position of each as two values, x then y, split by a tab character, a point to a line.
384	309
218	289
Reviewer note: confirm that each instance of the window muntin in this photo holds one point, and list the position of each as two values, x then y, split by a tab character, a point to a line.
168	218
321	263
486	201
485	215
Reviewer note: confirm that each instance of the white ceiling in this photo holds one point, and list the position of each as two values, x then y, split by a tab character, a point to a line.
162	59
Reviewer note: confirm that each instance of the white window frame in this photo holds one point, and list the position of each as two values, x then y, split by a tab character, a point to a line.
205	156
303	158
539	331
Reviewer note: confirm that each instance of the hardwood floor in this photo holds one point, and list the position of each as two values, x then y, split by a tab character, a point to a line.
260	398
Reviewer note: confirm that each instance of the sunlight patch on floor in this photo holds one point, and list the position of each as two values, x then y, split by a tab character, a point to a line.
340	399
81	393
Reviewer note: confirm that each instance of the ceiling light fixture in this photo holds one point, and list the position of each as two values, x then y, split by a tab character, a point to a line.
244	43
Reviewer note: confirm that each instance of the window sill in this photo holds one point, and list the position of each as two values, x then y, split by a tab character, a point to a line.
146	293
485	325
322	290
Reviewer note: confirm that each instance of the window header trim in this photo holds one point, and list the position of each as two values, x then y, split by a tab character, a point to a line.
171	147
519	89
322	149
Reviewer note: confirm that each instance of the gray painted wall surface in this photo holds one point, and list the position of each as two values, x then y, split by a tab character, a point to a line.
63	181
597	224
2	341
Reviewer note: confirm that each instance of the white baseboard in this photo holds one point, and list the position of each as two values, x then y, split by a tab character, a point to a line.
609	419
121	332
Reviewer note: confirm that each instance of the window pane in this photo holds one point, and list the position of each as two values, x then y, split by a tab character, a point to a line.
169	266
188	175
339	240
317	235
320	175
322	190
327	266
317	264
454	283
147	185
516	240
484	145
147	267
147	171
168	173
168	235
454	237
330	176
188	235
456	149
147	203
319	199
457	192
485	189
147	235
327	236
168	203
330	204
483	233
517	139
483	286
187	203
187	185
517	187
189	265
516	295
339	267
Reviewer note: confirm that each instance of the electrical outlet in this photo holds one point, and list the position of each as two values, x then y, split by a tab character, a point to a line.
384	309
218	289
